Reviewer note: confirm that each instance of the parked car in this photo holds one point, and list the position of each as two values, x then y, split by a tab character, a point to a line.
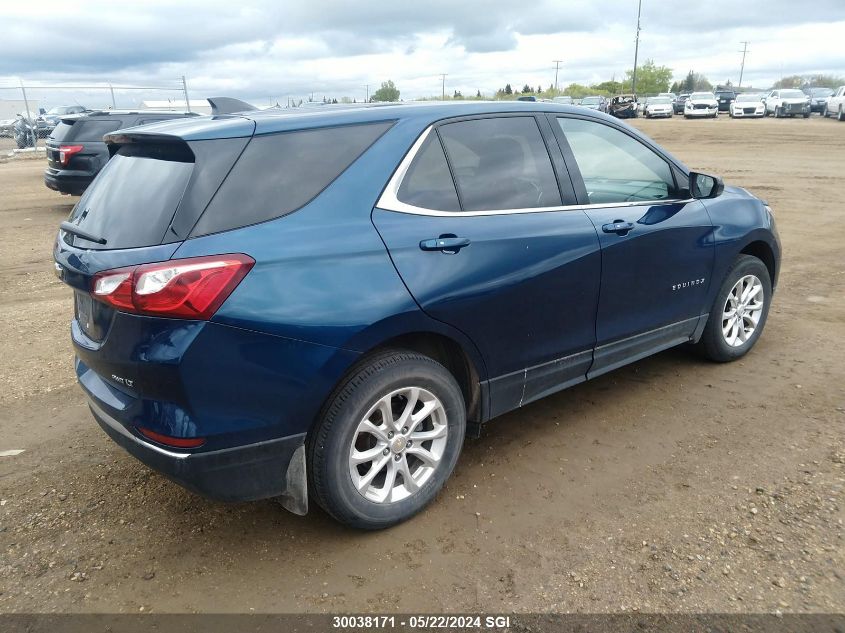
7	127
835	104
563	100
623	106
701	104
787	102
52	117
747	105
594	103
76	152
725	98
678	104
531	98
818	98
658	107
248	321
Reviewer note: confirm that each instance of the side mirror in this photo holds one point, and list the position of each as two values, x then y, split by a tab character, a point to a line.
703	186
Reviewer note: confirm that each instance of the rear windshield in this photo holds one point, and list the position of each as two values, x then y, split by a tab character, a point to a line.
279	173
132	201
87	130
61	131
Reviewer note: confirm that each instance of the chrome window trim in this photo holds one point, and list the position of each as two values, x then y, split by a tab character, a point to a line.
389	200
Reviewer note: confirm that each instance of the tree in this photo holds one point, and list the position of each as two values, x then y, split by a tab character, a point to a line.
478	95
577	91
508	89
816	81
387	92
457	95
650	78
695	82
526	89
608	87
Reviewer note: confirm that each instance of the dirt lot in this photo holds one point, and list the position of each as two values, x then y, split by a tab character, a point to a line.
670	485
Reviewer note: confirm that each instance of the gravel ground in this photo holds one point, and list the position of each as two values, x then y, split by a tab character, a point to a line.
669	485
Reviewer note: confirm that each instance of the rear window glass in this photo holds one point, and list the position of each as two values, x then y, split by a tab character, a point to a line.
61	131
88	130
428	183
279	173
132	201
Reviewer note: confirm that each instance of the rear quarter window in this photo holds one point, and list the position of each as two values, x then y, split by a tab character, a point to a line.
280	173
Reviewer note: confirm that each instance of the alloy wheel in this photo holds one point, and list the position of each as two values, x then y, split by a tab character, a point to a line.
398	445
742	311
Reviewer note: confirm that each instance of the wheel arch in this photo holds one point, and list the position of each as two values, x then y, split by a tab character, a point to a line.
763	251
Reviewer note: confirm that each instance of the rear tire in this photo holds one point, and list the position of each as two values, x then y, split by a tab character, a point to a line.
739	314
841	115
357	457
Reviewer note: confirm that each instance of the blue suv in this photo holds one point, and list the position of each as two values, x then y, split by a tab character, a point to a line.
325	303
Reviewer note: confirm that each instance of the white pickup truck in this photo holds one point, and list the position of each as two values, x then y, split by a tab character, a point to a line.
836	104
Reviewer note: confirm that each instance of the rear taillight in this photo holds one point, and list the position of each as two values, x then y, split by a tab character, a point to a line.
191	288
66	151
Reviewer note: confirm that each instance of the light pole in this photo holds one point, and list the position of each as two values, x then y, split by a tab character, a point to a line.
742	67
557	63
443	86
636	48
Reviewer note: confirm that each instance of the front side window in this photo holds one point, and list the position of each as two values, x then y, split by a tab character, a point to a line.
616	167
500	163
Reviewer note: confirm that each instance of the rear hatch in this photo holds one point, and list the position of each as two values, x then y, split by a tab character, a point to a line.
139	209
82	138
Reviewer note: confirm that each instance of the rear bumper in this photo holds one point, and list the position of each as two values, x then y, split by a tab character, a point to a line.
74	185
242	473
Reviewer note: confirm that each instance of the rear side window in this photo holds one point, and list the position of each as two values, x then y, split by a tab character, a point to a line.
88	130
428	183
132	201
500	163
61	131
280	173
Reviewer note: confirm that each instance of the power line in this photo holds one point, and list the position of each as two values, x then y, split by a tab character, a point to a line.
443	86
557	63
636	49
744	51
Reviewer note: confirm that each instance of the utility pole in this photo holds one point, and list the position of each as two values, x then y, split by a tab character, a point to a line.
742	67
185	88
557	63
636	48
367	86
443	86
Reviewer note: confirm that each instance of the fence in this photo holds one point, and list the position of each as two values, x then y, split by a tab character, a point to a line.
26	127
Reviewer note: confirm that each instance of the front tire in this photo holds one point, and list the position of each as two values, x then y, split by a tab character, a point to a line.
841	115
398	417
739	311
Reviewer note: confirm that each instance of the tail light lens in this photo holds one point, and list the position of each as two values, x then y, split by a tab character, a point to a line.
191	288
169	440
66	151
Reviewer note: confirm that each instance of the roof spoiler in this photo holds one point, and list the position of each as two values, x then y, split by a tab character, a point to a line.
228	105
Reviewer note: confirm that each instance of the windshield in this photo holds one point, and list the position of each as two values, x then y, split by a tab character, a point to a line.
792	94
726	93
660	100
591	100
703	96
59	110
747	98
821	92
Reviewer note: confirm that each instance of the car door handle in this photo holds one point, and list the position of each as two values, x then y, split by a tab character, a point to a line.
618	226
445	243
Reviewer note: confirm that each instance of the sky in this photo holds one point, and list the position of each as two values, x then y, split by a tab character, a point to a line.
270	51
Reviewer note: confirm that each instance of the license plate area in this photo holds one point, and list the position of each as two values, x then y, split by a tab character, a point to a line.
93	316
